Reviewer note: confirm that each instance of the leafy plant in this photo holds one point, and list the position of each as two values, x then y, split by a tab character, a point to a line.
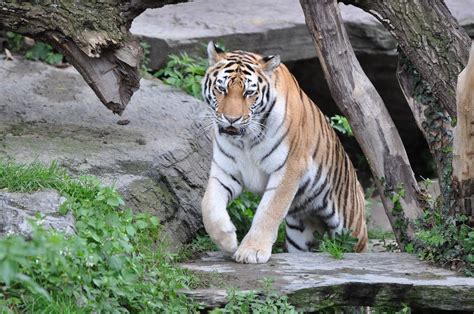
15	42
44	52
341	124
342	242
185	72
114	263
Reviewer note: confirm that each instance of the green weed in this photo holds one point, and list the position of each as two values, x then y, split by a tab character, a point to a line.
39	52
15	42
184	72
342	243
262	301
44	52
341	124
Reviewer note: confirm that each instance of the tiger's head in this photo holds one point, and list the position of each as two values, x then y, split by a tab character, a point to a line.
237	87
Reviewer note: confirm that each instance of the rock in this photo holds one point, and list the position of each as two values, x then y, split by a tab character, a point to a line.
16	209
159	160
313	281
266	26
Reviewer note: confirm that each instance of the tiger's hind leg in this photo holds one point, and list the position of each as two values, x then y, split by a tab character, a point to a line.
300	233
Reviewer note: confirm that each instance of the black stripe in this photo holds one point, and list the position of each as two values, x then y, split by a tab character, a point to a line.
223	151
299	227
283	163
293	243
229	174
317	177
325	201
316	148
270	189
225	187
277	144
302	189
235	179
328	216
310	199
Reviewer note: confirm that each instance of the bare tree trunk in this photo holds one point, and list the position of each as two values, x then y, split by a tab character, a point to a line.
433	121
431	39
463	161
93	35
373	128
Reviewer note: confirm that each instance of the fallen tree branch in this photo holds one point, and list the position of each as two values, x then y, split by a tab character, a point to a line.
373	128
93	35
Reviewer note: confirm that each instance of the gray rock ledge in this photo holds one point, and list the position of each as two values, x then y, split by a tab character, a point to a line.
313	281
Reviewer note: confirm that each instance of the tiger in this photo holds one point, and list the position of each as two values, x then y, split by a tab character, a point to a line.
269	138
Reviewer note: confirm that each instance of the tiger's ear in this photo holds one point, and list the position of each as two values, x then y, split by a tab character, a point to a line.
270	63
214	53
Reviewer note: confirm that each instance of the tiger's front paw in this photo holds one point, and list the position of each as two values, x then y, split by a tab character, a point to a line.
223	234
253	251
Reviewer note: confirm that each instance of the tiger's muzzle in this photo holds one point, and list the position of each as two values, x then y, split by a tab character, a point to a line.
232	130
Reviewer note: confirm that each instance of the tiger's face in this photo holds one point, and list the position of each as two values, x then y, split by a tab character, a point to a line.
237	88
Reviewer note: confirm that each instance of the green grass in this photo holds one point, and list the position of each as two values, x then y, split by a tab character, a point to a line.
380	234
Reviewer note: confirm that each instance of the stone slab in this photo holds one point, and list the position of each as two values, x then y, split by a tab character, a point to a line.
265	26
313	281
159	160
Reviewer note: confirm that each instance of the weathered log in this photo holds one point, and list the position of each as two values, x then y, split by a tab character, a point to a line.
373	128
431	39
463	159
93	35
315	281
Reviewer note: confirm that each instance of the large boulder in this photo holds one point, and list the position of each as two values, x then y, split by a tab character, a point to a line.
159	160
265	26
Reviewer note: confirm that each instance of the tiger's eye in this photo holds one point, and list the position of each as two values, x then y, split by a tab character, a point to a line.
249	93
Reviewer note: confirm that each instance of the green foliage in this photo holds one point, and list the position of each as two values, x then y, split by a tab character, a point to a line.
380	234
114	263
242	211
342	243
44	52
185	72
39	52
144	66
15	42
262	301
341	124
445	239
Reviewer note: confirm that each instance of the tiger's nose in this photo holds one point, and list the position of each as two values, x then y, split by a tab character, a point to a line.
232	119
